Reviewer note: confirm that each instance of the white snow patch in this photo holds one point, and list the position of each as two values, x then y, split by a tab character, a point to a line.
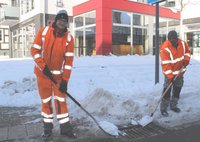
145	120
110	128
134	122
34	121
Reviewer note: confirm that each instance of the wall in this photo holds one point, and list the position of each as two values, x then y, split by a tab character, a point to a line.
4	45
6	1
37	9
191	10
71	3
52	7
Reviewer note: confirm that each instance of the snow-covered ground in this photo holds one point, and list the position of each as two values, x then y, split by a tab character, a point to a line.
112	88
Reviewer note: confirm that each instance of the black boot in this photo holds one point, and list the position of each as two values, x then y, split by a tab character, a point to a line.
163	107
165	102
176	109
67	130
47	134
174	99
173	105
164	113
47	129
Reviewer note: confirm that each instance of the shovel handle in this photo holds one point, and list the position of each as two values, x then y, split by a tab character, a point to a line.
76	102
168	87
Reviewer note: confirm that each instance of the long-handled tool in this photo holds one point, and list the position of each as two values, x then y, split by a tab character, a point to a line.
148	119
113	131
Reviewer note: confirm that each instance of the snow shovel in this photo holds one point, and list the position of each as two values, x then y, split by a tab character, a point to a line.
112	131
148	119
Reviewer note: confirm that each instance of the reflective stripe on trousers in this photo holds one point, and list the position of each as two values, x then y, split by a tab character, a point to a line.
46	89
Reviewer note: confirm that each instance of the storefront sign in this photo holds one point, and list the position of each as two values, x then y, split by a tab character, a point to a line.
154	1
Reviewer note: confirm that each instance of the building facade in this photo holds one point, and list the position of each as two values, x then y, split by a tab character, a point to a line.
123	27
33	15
190	26
99	27
9	15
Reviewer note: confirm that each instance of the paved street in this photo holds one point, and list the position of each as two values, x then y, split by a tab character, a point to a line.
14	128
189	134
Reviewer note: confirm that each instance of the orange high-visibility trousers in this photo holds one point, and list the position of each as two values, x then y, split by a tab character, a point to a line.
48	91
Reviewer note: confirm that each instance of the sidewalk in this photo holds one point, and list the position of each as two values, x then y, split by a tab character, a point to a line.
13	128
189	134
32	133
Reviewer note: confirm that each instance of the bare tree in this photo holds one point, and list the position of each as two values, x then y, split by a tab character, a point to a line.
181	5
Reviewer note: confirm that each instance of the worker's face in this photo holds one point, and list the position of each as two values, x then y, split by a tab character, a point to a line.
61	24
174	42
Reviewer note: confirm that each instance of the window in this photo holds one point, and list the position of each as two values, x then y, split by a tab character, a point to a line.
121	35
90	18
4	46
121	17
78	21
60	3
79	47
14	3
136	19
6	31
90	40
170	3
85	34
196	39
32	4
6	39
26	6
129	33
1	35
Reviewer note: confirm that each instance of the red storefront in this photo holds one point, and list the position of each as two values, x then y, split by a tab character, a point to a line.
104	23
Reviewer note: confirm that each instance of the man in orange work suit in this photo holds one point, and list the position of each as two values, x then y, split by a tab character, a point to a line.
53	52
174	54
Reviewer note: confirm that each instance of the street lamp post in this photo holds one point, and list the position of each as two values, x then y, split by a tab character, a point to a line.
157	39
44	23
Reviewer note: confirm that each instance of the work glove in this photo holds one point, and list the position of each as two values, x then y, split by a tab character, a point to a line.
47	72
63	86
185	63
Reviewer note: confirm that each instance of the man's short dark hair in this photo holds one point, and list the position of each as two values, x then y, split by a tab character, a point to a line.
172	35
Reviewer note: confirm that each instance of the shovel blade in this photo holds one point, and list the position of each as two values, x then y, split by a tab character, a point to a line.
109	128
145	120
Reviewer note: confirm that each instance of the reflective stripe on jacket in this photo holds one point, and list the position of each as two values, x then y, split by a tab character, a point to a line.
54	51
172	59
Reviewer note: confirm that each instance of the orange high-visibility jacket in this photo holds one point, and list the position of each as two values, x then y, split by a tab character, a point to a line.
55	52
172	59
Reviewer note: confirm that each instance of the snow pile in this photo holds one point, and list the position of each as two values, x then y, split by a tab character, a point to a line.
19	94
100	102
107	106
111	88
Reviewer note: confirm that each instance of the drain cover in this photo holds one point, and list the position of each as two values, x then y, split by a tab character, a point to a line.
139	132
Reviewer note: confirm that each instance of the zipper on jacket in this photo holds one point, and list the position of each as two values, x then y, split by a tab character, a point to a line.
52	48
